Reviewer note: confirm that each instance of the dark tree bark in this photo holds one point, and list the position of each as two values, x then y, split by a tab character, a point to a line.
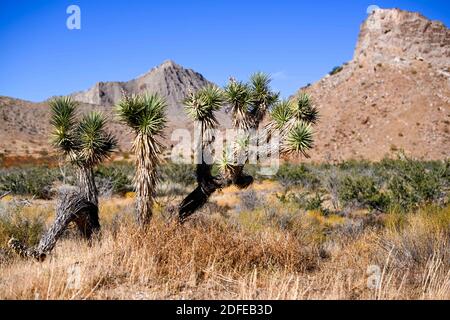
207	184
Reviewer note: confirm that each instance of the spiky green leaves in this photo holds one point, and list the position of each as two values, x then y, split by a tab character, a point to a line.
63	120
293	120
239	98
226	163
262	95
202	104
299	139
143	113
86	142
280	114
304	110
249	102
94	143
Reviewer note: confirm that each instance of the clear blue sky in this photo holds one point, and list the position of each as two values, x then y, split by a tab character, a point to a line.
296	41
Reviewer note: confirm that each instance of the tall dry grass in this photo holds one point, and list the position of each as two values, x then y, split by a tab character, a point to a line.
216	257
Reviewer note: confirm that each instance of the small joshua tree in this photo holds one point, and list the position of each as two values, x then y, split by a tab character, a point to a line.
145	115
85	143
248	104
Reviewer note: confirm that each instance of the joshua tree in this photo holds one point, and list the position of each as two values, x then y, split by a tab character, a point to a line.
145	115
85	143
200	106
248	104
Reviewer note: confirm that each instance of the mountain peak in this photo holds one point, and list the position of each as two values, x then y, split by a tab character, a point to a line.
396	36
168	63
169	79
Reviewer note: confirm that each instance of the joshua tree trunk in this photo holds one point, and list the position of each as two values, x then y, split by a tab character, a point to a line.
71	207
147	150
89	222
207	184
86	183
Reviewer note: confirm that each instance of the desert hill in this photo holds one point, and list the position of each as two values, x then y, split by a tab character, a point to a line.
394	94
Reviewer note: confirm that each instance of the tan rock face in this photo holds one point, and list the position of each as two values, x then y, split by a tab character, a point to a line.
394	95
393	36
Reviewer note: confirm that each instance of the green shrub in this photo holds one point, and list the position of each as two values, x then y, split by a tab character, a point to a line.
14	224
413	184
30	181
298	175
361	191
315	202
304	200
183	174
336	70
118	176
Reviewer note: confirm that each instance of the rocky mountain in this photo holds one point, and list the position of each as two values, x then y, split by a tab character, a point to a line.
22	135
393	95
168	79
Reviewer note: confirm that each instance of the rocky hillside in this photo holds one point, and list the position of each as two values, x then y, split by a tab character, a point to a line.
394	94
25	128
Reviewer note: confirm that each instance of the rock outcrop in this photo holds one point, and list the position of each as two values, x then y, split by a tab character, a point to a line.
394	95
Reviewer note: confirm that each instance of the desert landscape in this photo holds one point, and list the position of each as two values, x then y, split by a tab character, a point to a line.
358	209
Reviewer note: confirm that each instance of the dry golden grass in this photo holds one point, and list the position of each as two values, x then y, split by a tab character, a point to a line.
247	256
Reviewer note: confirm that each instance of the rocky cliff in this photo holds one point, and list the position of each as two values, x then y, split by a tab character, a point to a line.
394	95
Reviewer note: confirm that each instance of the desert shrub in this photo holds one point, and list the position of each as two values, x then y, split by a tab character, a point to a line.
13	223
250	200
304	200
415	183
118	178
361	191
183	174
336	70
298	175
314	202
30	181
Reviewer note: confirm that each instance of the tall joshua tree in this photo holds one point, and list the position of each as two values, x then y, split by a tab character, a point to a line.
200	106
145	115
248	104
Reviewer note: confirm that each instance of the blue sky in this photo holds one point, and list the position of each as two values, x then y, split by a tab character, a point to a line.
297	42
